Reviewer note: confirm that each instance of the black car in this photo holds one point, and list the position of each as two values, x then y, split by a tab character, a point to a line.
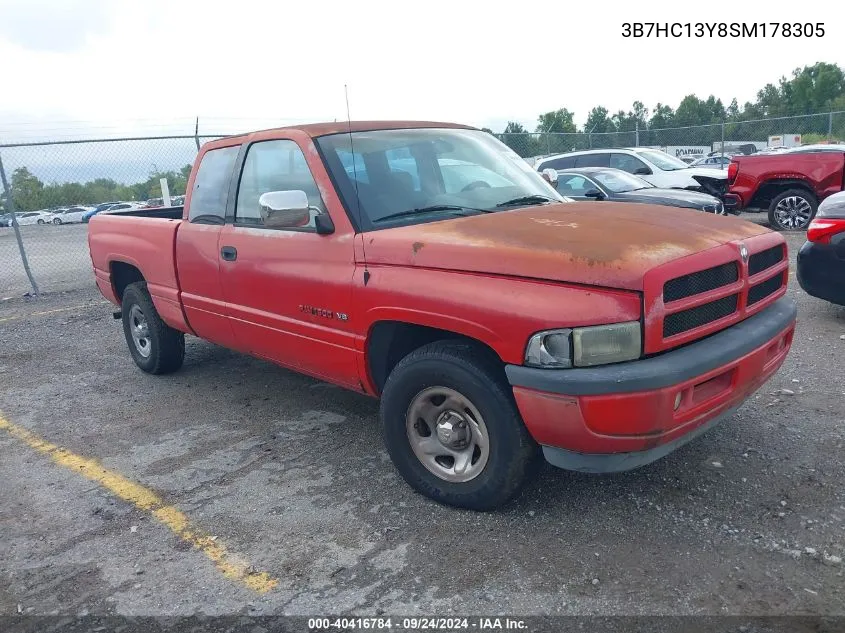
604	183
821	261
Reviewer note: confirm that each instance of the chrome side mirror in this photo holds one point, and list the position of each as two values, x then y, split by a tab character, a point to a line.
284	209
549	175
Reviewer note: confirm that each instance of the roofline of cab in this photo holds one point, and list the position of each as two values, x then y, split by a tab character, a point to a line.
316	130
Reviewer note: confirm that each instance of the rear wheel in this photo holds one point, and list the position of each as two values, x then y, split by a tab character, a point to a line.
792	210
452	427
56	221
155	346
40	221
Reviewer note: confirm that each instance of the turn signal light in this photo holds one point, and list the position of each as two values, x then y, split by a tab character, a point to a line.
733	168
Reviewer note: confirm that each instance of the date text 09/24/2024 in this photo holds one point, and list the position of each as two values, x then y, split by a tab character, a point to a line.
417	623
722	29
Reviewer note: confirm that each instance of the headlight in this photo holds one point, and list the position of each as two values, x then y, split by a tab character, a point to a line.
585	346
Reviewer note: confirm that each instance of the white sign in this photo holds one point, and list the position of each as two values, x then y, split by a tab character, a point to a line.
165	192
687	150
788	140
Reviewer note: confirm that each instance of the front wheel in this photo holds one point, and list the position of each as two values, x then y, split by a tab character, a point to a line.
452	428
155	346
56	221
792	210
40	221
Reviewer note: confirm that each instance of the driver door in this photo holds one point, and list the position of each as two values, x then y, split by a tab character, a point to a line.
288	290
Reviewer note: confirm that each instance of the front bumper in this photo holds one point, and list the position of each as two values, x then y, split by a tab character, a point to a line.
618	417
821	271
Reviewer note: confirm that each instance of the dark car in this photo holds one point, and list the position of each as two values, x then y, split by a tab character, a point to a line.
821	261
602	183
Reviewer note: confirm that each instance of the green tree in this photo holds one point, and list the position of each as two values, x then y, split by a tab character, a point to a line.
558	121
598	122
27	190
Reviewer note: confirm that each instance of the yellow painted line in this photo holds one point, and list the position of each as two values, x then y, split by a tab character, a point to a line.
44	313
147	500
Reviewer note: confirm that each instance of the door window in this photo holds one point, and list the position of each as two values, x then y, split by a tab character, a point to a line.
593	160
275	166
574	186
626	162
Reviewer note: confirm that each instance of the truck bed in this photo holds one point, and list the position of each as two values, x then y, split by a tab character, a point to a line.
125	243
170	213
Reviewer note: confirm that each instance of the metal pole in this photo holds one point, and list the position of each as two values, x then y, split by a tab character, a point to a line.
11	205
636	133
197	134
722	165
830	126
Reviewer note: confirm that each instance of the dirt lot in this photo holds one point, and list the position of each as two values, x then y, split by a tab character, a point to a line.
287	480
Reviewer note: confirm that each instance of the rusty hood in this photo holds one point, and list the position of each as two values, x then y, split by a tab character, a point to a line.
605	244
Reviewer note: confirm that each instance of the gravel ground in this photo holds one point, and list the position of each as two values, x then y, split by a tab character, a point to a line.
290	475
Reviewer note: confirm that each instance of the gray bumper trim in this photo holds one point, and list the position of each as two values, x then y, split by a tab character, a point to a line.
668	368
620	462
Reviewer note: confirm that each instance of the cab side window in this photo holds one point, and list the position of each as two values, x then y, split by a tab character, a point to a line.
275	166
211	185
626	162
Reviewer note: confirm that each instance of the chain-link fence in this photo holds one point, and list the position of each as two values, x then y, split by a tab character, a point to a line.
52	186
48	177
695	141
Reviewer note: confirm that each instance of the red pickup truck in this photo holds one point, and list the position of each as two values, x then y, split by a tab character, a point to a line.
790	185
428	265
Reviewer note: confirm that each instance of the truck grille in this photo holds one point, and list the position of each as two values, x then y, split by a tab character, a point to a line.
700	300
759	262
701	281
764	289
699	315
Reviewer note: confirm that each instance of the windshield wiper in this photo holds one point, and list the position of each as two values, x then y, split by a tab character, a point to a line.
430	209
533	199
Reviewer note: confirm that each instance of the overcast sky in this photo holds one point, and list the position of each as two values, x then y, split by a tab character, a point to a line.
118	66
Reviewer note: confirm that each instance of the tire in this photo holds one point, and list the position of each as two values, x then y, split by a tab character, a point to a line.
792	210
56	221
40	221
159	349
467	370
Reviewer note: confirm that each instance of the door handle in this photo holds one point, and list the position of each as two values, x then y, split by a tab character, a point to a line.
229	253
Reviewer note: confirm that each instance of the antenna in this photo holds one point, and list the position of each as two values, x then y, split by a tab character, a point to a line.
355	178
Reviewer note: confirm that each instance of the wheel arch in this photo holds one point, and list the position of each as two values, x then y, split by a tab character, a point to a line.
390	340
771	188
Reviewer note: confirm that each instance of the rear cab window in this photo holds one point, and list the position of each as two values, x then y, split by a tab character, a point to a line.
211	185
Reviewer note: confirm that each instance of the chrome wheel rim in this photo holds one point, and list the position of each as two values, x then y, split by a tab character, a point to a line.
140	330
447	434
793	212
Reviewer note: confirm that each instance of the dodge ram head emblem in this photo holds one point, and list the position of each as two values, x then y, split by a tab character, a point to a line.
743	252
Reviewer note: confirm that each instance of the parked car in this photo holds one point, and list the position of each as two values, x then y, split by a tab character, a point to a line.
97	209
494	322
71	215
713	162
33	217
789	184
5	219
123	206
598	183
177	201
154	203
657	167
821	260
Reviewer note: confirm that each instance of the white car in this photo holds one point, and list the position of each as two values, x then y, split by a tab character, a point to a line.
121	206
71	215
33	217
652	165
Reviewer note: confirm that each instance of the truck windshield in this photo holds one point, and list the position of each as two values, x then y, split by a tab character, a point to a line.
408	176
